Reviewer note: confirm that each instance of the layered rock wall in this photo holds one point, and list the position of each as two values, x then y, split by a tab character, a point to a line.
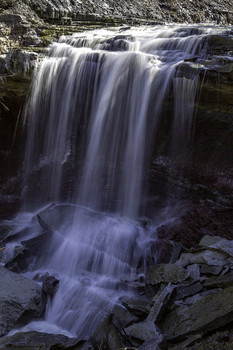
156	10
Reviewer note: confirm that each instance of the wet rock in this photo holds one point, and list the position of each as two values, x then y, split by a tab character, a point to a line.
188	290
160	304
21	62
152	345
145	331
207	240
220	43
202	257
210	270
45	226
107	335
184	345
222	245
222	340
193	299
209	313
138	307
166	273
38	341
49	285
20	300
194	271
123	316
220	64
52	218
221	281
163	251
40	244
5	231
19	261
177	248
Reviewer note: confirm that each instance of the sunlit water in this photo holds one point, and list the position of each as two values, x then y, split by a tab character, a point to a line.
92	117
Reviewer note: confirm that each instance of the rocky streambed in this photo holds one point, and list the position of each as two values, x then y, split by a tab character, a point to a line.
186	303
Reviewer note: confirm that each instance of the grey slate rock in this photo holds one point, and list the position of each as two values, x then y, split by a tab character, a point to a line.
209	257
20	300
185	291
123	316
210	270
145	331
160	304
166	273
222	281
39	341
209	313
194	271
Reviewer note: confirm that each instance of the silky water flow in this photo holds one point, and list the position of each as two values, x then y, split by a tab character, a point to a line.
92	117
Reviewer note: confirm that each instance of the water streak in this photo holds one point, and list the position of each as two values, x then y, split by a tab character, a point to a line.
95	106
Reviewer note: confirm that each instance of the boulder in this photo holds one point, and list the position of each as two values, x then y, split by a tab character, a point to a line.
145	331
166	273
20	300
38	341
209	313
39	245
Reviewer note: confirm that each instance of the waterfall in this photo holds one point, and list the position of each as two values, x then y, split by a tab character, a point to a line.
92	117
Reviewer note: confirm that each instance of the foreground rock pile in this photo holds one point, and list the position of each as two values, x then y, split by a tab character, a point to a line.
183	304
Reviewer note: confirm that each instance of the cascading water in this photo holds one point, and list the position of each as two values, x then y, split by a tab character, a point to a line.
93	113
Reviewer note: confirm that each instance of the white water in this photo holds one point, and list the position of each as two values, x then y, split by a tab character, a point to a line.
93	114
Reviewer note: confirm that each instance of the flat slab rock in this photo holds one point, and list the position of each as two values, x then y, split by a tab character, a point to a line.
144	331
209	257
166	273
20	300
209	313
217	243
39	341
